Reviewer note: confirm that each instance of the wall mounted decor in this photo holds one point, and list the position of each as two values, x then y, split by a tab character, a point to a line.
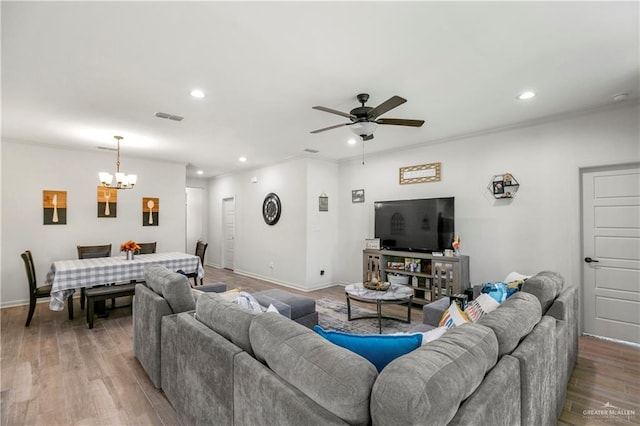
54	207
150	211
107	202
503	186
420	174
323	203
357	196
271	209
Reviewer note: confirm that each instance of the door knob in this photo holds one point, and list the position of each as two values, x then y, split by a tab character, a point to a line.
589	260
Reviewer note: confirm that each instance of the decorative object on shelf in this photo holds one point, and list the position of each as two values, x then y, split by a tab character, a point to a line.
54	207
398	279
412	265
378	286
123	181
456	245
503	186
107	202
150	211
420	174
129	248
271	209
372	243
323	203
357	196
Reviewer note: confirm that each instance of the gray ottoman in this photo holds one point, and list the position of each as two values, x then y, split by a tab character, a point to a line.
213	288
303	309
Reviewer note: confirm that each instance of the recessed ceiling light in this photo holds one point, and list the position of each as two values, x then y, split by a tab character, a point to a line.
200	172
525	95
197	93
242	159
352	141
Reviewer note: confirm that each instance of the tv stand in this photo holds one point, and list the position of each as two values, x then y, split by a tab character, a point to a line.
431	277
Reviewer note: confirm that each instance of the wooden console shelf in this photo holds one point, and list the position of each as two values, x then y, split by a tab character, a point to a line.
431	277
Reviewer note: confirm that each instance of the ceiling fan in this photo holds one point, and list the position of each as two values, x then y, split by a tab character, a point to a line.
364	119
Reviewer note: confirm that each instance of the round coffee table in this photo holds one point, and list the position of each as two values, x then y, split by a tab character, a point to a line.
397	294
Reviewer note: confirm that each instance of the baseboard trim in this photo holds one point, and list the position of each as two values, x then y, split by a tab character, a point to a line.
284	283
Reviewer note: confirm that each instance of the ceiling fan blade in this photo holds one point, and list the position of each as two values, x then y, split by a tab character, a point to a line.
367	138
330	127
387	105
400	122
333	111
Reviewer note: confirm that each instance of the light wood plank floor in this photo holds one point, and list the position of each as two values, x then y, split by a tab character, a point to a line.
59	372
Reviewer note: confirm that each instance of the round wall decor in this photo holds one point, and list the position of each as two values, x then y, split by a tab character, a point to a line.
271	209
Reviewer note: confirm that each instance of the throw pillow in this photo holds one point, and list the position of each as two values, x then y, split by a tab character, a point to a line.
432	335
453	316
480	306
378	349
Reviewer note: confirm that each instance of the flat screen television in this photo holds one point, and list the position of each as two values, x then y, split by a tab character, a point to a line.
423	225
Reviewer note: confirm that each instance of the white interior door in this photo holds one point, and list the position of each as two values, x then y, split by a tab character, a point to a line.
229	229
611	252
194	218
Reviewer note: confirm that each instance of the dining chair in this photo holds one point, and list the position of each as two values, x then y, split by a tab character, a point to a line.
147	248
91	252
201	249
36	292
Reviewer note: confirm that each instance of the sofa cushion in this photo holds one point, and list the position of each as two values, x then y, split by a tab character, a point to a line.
225	318
427	385
174	287
299	305
513	320
546	286
379	349
333	377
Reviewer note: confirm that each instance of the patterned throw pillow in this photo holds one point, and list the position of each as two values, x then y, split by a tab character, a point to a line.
480	306
453	316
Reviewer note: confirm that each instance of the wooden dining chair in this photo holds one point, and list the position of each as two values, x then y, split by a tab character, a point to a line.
36	292
91	252
201	249
147	248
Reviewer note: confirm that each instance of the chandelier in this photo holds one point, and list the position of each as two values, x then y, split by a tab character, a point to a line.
123	181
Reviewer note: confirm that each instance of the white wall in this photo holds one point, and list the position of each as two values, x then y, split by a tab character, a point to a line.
322	227
258	245
539	229
28	169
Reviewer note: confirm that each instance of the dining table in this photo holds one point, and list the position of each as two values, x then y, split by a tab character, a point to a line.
65	276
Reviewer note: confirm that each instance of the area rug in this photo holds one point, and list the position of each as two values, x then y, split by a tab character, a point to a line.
332	315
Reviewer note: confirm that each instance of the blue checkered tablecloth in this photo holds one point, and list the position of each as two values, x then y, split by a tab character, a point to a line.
65	276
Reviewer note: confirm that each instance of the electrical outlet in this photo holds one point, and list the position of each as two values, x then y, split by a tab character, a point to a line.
322	272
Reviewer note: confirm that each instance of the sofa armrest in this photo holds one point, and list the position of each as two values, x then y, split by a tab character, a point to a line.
432	312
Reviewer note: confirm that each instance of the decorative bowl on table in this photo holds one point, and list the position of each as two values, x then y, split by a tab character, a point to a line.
377	286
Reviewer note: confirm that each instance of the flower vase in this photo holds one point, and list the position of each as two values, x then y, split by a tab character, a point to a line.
129	254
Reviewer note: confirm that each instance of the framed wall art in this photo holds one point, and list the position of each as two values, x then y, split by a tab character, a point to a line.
54	207
107	202
357	196
150	211
420	174
323	203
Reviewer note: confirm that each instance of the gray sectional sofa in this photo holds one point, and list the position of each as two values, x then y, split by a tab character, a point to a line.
230	366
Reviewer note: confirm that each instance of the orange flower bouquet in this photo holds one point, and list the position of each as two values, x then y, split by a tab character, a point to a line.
456	245
130	246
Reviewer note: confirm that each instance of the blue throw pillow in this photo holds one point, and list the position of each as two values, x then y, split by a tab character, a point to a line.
378	349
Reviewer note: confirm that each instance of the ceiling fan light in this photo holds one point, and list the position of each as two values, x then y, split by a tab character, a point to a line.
364	128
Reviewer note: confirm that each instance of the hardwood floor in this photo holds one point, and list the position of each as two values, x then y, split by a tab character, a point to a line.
59	372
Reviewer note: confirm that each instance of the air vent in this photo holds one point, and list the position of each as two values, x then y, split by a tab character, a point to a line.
169	116
106	148
311	150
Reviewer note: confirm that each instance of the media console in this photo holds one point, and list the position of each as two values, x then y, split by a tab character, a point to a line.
431	277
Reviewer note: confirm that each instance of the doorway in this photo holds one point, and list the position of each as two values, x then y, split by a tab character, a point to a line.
611	251
194	220
228	232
